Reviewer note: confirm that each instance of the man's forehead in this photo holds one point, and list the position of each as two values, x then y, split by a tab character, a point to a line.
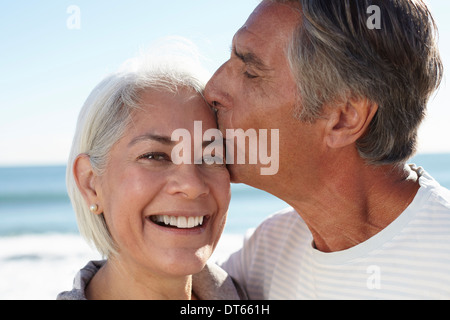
268	29
269	21
273	14
245	37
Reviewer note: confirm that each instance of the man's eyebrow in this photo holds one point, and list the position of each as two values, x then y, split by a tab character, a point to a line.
250	59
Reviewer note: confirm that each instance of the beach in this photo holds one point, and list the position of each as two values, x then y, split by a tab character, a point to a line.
38	267
41	250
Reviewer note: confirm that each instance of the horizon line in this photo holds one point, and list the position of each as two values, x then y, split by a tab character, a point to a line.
8	165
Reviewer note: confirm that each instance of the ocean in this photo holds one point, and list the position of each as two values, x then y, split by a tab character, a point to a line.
40	247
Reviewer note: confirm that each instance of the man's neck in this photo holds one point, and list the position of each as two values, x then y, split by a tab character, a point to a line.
348	208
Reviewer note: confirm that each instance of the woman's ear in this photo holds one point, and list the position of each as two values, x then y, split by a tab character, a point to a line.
85	178
349	121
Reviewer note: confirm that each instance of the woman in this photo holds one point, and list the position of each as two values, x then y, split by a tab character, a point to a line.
157	223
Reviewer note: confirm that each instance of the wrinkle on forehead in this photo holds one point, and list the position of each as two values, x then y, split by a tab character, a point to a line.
276	15
269	29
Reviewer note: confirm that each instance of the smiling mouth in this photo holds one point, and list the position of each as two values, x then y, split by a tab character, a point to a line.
178	222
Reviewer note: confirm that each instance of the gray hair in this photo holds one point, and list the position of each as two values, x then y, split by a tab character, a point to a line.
102	122
335	55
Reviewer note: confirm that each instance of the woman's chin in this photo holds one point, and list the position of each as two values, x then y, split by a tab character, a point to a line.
184	262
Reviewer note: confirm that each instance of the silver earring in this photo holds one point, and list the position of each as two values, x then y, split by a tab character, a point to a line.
93	208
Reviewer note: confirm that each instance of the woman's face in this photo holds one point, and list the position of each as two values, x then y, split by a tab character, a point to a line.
165	218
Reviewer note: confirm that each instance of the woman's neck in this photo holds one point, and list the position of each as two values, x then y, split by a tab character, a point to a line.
119	281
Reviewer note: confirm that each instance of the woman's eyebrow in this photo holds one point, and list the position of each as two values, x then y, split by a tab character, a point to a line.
154	137
162	139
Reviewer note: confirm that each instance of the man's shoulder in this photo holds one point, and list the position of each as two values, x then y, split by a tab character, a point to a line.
436	195
442	197
282	217
282	225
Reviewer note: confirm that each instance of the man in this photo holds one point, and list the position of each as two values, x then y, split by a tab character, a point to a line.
346	83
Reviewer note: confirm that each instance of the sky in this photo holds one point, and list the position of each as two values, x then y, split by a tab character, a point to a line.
50	61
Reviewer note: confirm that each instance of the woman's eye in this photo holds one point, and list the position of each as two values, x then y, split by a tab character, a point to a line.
156	156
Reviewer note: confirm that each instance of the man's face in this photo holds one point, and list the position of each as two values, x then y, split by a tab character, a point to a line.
256	89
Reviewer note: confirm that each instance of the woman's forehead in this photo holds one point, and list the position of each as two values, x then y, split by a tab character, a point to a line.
168	111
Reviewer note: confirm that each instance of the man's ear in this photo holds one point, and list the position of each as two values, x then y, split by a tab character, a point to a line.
348	121
85	178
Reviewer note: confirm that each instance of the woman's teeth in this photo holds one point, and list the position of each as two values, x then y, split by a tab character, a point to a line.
179	222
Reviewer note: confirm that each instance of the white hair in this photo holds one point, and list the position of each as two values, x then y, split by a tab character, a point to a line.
102	122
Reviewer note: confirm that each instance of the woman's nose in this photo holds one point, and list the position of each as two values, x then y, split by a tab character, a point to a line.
188	181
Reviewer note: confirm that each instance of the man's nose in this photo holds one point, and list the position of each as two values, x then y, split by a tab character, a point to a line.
217	90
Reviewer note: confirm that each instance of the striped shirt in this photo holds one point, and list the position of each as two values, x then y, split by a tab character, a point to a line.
409	259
